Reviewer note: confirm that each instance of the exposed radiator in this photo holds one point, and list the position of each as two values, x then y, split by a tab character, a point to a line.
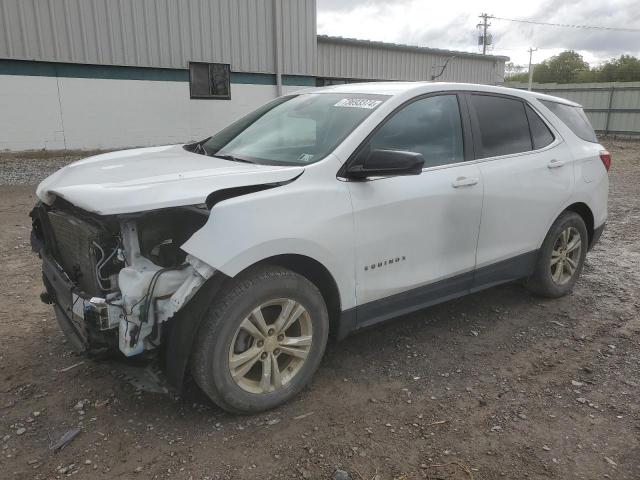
74	249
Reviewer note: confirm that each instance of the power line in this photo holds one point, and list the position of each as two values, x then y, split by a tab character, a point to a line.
568	25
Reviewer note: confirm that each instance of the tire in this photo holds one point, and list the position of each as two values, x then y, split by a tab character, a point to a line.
232	332
557	280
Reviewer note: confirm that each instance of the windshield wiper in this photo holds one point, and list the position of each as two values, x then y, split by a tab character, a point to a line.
224	156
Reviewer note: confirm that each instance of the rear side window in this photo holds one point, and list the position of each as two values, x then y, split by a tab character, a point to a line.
574	118
503	125
540	133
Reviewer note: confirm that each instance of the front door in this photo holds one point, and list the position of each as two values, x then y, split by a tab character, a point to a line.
416	235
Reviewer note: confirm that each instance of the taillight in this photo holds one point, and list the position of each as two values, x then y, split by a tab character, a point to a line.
605	156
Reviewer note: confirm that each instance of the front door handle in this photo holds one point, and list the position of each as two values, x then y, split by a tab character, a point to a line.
555	163
464	182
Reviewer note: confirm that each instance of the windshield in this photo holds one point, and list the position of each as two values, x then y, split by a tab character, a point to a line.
295	130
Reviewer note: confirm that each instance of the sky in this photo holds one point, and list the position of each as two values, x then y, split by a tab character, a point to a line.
452	25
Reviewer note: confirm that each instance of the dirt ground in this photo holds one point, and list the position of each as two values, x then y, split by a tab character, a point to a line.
496	385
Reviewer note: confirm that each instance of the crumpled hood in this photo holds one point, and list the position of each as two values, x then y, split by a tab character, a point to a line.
150	178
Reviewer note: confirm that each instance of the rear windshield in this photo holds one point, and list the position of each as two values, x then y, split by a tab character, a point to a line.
574	118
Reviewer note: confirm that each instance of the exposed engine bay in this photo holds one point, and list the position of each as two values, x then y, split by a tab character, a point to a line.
116	280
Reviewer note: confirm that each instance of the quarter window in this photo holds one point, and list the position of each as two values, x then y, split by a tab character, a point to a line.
540	133
574	118
503	125
430	126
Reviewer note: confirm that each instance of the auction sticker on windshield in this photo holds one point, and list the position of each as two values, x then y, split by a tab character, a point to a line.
358	103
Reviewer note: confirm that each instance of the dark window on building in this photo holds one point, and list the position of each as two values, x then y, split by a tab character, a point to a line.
574	118
503	125
540	133
430	126
210	80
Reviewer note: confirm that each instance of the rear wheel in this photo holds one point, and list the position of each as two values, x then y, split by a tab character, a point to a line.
262	340
561	257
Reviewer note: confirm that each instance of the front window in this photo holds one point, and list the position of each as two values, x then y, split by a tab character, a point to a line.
296	130
430	126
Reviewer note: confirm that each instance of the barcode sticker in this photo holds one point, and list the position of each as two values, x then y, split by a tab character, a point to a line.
358	103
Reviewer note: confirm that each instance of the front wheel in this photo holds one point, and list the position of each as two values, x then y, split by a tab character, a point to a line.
561	257
261	340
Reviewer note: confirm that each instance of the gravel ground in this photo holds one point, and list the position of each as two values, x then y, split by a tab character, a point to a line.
30	171
31	167
499	384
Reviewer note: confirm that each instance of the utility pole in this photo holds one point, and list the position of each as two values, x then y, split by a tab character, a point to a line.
484	25
531	50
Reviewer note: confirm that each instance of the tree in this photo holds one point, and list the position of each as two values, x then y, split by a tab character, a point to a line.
587	76
562	68
623	69
515	73
570	67
517	77
511	68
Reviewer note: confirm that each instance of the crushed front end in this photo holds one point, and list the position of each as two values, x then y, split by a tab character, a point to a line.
115	281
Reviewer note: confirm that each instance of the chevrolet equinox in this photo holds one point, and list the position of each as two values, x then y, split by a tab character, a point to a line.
327	211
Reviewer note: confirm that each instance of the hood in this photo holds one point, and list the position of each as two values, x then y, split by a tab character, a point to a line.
150	178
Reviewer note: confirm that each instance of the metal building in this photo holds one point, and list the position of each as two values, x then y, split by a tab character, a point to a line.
340	58
78	74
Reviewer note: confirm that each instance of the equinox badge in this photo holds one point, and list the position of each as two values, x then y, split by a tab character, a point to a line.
384	263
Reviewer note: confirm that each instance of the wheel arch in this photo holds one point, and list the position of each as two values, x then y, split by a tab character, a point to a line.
184	326
316	273
585	212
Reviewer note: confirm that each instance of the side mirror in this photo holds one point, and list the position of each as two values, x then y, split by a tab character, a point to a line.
387	163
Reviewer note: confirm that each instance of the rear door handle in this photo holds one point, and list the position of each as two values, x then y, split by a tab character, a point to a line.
555	163
464	182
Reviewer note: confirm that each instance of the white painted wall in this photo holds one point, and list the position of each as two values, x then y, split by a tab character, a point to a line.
29	113
81	113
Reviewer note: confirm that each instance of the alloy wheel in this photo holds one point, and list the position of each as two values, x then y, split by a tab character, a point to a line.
270	346
565	256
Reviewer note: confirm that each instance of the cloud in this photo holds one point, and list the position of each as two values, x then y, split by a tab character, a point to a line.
346	5
596	45
452	25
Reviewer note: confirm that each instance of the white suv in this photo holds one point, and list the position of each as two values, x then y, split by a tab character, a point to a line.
322	212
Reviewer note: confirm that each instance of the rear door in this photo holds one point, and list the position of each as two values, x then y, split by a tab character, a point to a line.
416	235
527	173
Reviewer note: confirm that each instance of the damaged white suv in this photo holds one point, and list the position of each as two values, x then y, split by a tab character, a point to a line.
322	212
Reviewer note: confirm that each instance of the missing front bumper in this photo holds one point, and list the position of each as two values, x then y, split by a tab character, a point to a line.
82	318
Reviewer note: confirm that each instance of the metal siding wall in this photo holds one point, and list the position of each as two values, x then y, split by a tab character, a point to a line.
298	53
348	60
160	33
598	120
596	96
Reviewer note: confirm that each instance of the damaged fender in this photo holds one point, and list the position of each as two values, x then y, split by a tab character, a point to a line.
150	294
307	217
